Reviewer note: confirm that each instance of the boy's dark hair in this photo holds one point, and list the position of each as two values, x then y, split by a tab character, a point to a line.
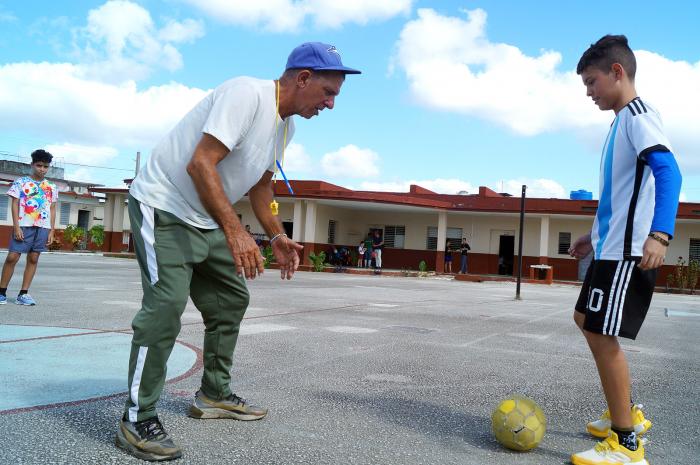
608	50
41	155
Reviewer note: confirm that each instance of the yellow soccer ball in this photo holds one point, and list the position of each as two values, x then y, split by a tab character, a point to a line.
518	423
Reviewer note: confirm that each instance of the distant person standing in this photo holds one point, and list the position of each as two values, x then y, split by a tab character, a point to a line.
464	250
361	255
448	257
33	219
368	251
377	246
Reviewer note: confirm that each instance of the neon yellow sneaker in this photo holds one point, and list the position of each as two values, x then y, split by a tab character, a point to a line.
611	452
601	428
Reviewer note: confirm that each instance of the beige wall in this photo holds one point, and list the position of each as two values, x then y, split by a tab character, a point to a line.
482	231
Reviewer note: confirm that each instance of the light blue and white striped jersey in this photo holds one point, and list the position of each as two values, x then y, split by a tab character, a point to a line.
626	206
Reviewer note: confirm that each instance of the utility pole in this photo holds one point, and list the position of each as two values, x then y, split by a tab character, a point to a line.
138	163
520	242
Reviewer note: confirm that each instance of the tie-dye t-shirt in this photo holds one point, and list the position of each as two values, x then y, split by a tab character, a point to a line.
35	199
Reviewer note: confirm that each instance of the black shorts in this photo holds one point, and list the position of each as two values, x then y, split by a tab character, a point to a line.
615	297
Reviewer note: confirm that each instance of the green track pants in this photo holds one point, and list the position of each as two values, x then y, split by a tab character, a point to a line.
178	261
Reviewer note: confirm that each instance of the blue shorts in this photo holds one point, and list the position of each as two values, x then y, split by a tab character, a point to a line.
35	239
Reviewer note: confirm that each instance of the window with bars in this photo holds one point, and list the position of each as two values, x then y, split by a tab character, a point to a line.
564	243
65	213
4	203
394	236
694	250
453	236
331	231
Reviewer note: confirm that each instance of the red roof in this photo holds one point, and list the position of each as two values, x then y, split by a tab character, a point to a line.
485	201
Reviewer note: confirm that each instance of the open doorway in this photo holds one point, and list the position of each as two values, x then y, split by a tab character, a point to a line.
506	253
288	228
84	222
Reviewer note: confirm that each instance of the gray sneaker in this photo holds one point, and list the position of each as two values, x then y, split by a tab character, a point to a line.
147	440
231	407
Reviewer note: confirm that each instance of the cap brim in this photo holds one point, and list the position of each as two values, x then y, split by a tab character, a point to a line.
343	69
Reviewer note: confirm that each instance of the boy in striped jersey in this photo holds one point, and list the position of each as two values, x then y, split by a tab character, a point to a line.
639	190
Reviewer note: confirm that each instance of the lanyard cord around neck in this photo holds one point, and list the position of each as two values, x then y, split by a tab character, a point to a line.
278	166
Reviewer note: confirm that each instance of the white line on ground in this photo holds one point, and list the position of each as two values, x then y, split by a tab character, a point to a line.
669	313
383	305
350	329
257	328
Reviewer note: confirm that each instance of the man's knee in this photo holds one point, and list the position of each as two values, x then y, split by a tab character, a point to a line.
33	258
12	258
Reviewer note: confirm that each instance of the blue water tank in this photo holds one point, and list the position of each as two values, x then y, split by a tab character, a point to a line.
581	195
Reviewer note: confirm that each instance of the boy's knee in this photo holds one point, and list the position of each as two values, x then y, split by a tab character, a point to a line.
33	258
12	258
601	343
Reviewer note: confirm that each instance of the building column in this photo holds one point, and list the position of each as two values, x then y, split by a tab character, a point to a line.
117	223
309	230
544	240
298	228
441	238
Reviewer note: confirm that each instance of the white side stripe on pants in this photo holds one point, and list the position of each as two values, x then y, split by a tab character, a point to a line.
148	235
136	384
624	295
617	298
611	296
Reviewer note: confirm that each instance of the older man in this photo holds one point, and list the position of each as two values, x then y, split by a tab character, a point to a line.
190	242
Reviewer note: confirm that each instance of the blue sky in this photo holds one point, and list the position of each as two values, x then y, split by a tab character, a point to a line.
453	95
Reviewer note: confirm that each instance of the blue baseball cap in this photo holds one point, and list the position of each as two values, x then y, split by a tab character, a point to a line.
317	56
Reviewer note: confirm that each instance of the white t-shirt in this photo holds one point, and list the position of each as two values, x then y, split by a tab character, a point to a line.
627	191
241	113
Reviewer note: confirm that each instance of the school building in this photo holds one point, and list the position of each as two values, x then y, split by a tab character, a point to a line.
416	226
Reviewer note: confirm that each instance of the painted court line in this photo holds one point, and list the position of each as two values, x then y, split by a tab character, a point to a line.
669	313
257	328
350	330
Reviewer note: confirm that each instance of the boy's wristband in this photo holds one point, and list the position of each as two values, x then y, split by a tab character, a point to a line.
660	239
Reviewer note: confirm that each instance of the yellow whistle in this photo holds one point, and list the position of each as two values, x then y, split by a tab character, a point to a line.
274	207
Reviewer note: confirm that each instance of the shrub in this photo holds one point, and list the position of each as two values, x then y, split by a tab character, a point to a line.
422	266
318	261
74	235
268	256
97	235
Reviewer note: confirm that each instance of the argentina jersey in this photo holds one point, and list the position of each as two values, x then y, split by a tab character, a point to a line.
626	206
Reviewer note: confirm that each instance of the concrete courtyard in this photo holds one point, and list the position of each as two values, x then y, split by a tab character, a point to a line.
355	370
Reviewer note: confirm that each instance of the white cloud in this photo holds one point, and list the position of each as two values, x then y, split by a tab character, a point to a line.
351	161
542	188
186	31
683	197
452	65
82	175
121	41
439	185
537	188
82	154
296	160
59	100
289	15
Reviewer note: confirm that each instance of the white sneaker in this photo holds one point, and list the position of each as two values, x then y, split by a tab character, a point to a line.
601	428
611	452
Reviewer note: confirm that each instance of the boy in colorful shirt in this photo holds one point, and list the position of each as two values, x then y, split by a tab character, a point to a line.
33	217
